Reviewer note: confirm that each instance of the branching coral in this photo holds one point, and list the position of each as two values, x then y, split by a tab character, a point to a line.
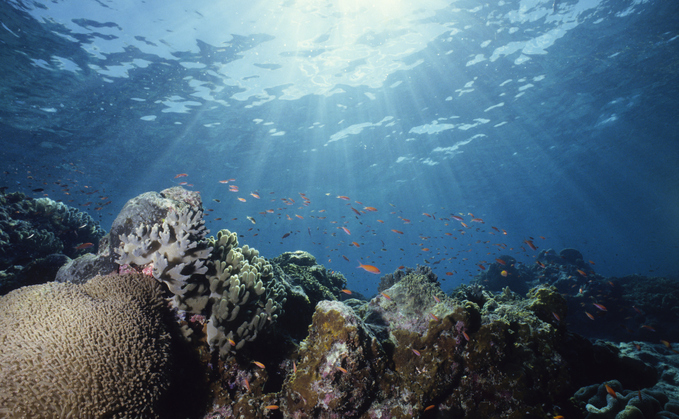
243	292
175	247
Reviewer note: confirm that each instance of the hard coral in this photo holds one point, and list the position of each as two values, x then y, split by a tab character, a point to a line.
99	349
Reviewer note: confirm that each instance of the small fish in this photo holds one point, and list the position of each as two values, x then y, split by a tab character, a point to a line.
478	220
600	307
38	190
271	407
415	351
558	417
434	316
342	369
254	195
84	246
457	217
591	317
369	268
581	272
252	220
504	273
397	231
346	198
645	326
345	258
556	316
437	299
530	244
466	336
430	407
666	343
241	199
385	295
232	342
294	367
500	261
181	175
285	235
372	209
346	230
348	292
299	216
610	391
247	384
259	364
540	264
356	244
483	268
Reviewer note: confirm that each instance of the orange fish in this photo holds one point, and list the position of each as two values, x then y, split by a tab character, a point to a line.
610	391
373	209
530	244
247	384
437	299
241	199
478	220
464	225
181	175
356	244
380	221
457	217
431	406
299	216
346	230
271	407
415	351
397	231
449	273
483	268
342	369
346	198
385	295
556	316
600	307
254	195
581	272
589	315
666	343
434	316
369	268
348	292
466	336
500	261
259	364
84	246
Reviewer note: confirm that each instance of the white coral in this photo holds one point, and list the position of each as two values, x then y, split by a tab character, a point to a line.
174	247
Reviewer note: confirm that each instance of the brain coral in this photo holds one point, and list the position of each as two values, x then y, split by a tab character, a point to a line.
99	349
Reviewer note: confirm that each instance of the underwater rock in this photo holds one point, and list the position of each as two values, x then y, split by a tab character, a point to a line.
317	282
505	272
388	280
33	229
147	209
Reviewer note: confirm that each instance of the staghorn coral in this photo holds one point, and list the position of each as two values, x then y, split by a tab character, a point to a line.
175	248
99	349
243	294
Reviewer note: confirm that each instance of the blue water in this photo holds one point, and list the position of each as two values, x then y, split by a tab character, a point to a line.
555	120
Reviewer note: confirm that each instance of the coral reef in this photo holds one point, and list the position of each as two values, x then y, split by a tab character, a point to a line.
174	248
100	349
37	236
412	349
244	294
609	401
388	280
316	281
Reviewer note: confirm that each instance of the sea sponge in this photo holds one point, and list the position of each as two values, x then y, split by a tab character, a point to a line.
175	248
99	349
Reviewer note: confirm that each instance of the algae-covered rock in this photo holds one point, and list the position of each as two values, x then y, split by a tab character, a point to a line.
317	282
338	366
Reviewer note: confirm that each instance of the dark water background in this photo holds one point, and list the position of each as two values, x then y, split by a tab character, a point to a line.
554	120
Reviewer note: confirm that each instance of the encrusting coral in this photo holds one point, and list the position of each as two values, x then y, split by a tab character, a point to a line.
99	349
